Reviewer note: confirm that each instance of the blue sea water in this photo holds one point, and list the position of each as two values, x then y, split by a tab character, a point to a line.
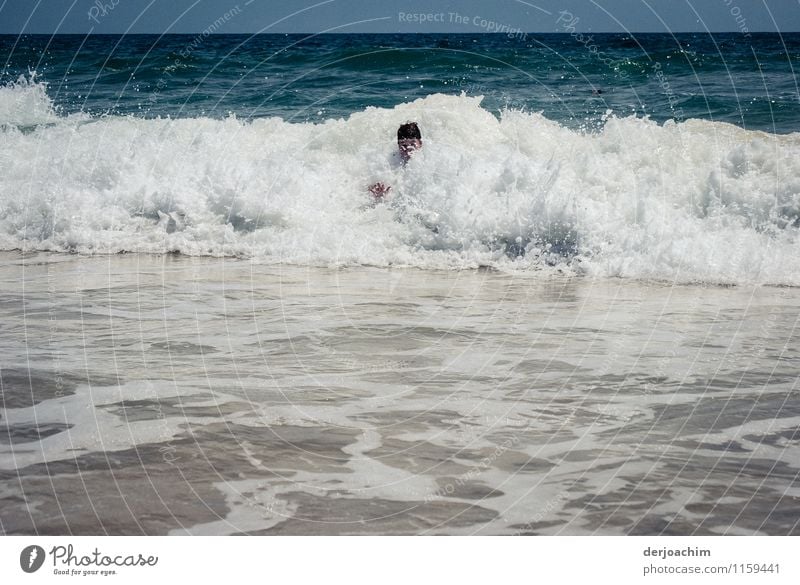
747	80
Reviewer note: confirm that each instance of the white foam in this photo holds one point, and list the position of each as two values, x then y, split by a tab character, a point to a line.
695	201
26	103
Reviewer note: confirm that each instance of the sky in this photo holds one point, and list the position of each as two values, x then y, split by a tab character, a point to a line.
395	16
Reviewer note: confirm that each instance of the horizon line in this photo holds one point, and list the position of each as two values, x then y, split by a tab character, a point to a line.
507	34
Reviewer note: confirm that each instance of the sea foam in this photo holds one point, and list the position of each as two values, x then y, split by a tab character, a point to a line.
25	103
695	201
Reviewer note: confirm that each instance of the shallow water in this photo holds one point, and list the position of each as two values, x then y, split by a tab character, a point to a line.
166	394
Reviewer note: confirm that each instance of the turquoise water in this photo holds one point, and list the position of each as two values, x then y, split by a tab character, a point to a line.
747	80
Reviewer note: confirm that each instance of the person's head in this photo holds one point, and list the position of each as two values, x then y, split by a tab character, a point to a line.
409	139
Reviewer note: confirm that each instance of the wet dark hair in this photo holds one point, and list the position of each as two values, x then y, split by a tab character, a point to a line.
409	130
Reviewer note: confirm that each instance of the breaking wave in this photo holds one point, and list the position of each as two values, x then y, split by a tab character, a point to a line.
695	201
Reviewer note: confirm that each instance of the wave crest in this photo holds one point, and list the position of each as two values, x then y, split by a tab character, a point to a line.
693	201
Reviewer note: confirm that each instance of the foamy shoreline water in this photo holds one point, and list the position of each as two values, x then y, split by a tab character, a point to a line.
168	394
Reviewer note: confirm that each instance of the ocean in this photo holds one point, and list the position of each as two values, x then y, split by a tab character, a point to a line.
575	312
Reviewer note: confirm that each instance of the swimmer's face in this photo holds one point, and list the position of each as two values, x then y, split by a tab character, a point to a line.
408	146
